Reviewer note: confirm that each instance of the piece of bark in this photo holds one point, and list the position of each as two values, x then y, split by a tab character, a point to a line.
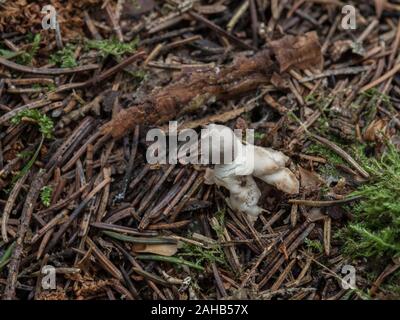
197	88
193	90
341	47
301	52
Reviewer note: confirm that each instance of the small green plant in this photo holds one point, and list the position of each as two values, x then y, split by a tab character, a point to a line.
24	155
6	257
214	253
203	256
321	102
46	125
65	58
328	169
45	195
7	54
112	47
314	245
218	227
26	57
51	87
311	98
46	128
138	75
324	152
374	232
23	57
259	135
375	94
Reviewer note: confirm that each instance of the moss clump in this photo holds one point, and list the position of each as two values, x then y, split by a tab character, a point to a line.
324	152
374	232
112	47
214	253
24	57
314	245
202	256
46	125
329	169
45	195
65	58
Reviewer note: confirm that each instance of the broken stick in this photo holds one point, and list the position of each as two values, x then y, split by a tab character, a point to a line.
194	89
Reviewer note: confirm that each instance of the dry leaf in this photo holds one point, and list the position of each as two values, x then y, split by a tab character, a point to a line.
280	81
315	214
339	48
161	249
310	180
375	130
302	51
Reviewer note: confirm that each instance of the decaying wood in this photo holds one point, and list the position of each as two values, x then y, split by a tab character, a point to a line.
302	52
192	91
197	88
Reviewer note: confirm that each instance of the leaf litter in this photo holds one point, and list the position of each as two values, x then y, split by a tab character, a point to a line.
77	103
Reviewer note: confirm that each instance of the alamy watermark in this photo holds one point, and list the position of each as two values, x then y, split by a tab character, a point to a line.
349	20
216	145
48	278
49	21
349	280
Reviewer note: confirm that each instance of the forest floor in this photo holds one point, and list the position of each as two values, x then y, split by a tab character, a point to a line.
77	195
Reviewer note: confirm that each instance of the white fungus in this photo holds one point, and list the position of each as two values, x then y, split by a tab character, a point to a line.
248	161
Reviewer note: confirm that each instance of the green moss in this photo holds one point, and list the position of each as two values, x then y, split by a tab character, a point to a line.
138	75
374	232
213	253
375	95
65	58
203	256
45	195
5	258
24	57
112	47
392	286
311	98
46	125
219	226
314	245
328	169
46	128
324	152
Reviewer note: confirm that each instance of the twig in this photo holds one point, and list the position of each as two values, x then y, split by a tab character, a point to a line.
341	153
381	79
221	31
45	71
336	72
329	203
